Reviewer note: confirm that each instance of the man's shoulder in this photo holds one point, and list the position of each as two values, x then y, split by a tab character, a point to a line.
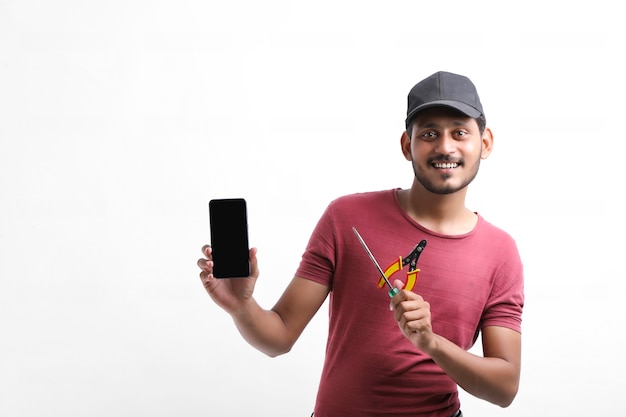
495	235
364	198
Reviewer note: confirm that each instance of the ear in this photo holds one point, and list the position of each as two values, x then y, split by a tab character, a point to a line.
405	143
487	142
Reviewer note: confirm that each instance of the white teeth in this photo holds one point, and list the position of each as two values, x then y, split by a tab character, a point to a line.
448	165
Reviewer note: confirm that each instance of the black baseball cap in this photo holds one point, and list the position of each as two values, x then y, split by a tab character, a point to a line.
444	89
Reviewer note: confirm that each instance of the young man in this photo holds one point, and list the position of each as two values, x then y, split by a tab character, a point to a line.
407	361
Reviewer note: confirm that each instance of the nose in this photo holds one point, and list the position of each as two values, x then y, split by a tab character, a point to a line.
446	144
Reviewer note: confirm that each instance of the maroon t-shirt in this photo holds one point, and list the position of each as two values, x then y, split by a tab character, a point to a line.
471	281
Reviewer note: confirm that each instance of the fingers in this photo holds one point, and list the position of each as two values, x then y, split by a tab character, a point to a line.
411	311
206	264
206	251
414	319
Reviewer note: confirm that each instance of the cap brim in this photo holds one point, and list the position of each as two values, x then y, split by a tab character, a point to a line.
462	107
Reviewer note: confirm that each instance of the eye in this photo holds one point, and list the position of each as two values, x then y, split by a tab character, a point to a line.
461	134
429	135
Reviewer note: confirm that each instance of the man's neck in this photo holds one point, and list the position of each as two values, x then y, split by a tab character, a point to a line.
442	213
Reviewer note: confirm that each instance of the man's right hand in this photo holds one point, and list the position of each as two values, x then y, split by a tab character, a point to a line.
229	293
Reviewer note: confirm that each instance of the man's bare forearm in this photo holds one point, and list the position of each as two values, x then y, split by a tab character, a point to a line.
263	329
493	379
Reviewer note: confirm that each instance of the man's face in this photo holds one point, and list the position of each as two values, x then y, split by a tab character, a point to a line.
445	149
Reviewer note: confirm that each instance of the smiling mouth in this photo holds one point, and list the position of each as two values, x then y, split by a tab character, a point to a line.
446	165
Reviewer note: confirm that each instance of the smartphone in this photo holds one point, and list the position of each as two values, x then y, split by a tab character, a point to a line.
228	220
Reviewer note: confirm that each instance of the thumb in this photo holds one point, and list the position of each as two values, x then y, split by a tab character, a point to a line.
254	265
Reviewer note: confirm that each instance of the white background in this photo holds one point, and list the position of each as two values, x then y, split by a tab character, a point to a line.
120	120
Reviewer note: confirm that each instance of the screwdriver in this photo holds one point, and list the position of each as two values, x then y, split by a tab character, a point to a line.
392	291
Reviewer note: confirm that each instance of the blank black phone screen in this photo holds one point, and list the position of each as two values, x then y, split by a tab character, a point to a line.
229	238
